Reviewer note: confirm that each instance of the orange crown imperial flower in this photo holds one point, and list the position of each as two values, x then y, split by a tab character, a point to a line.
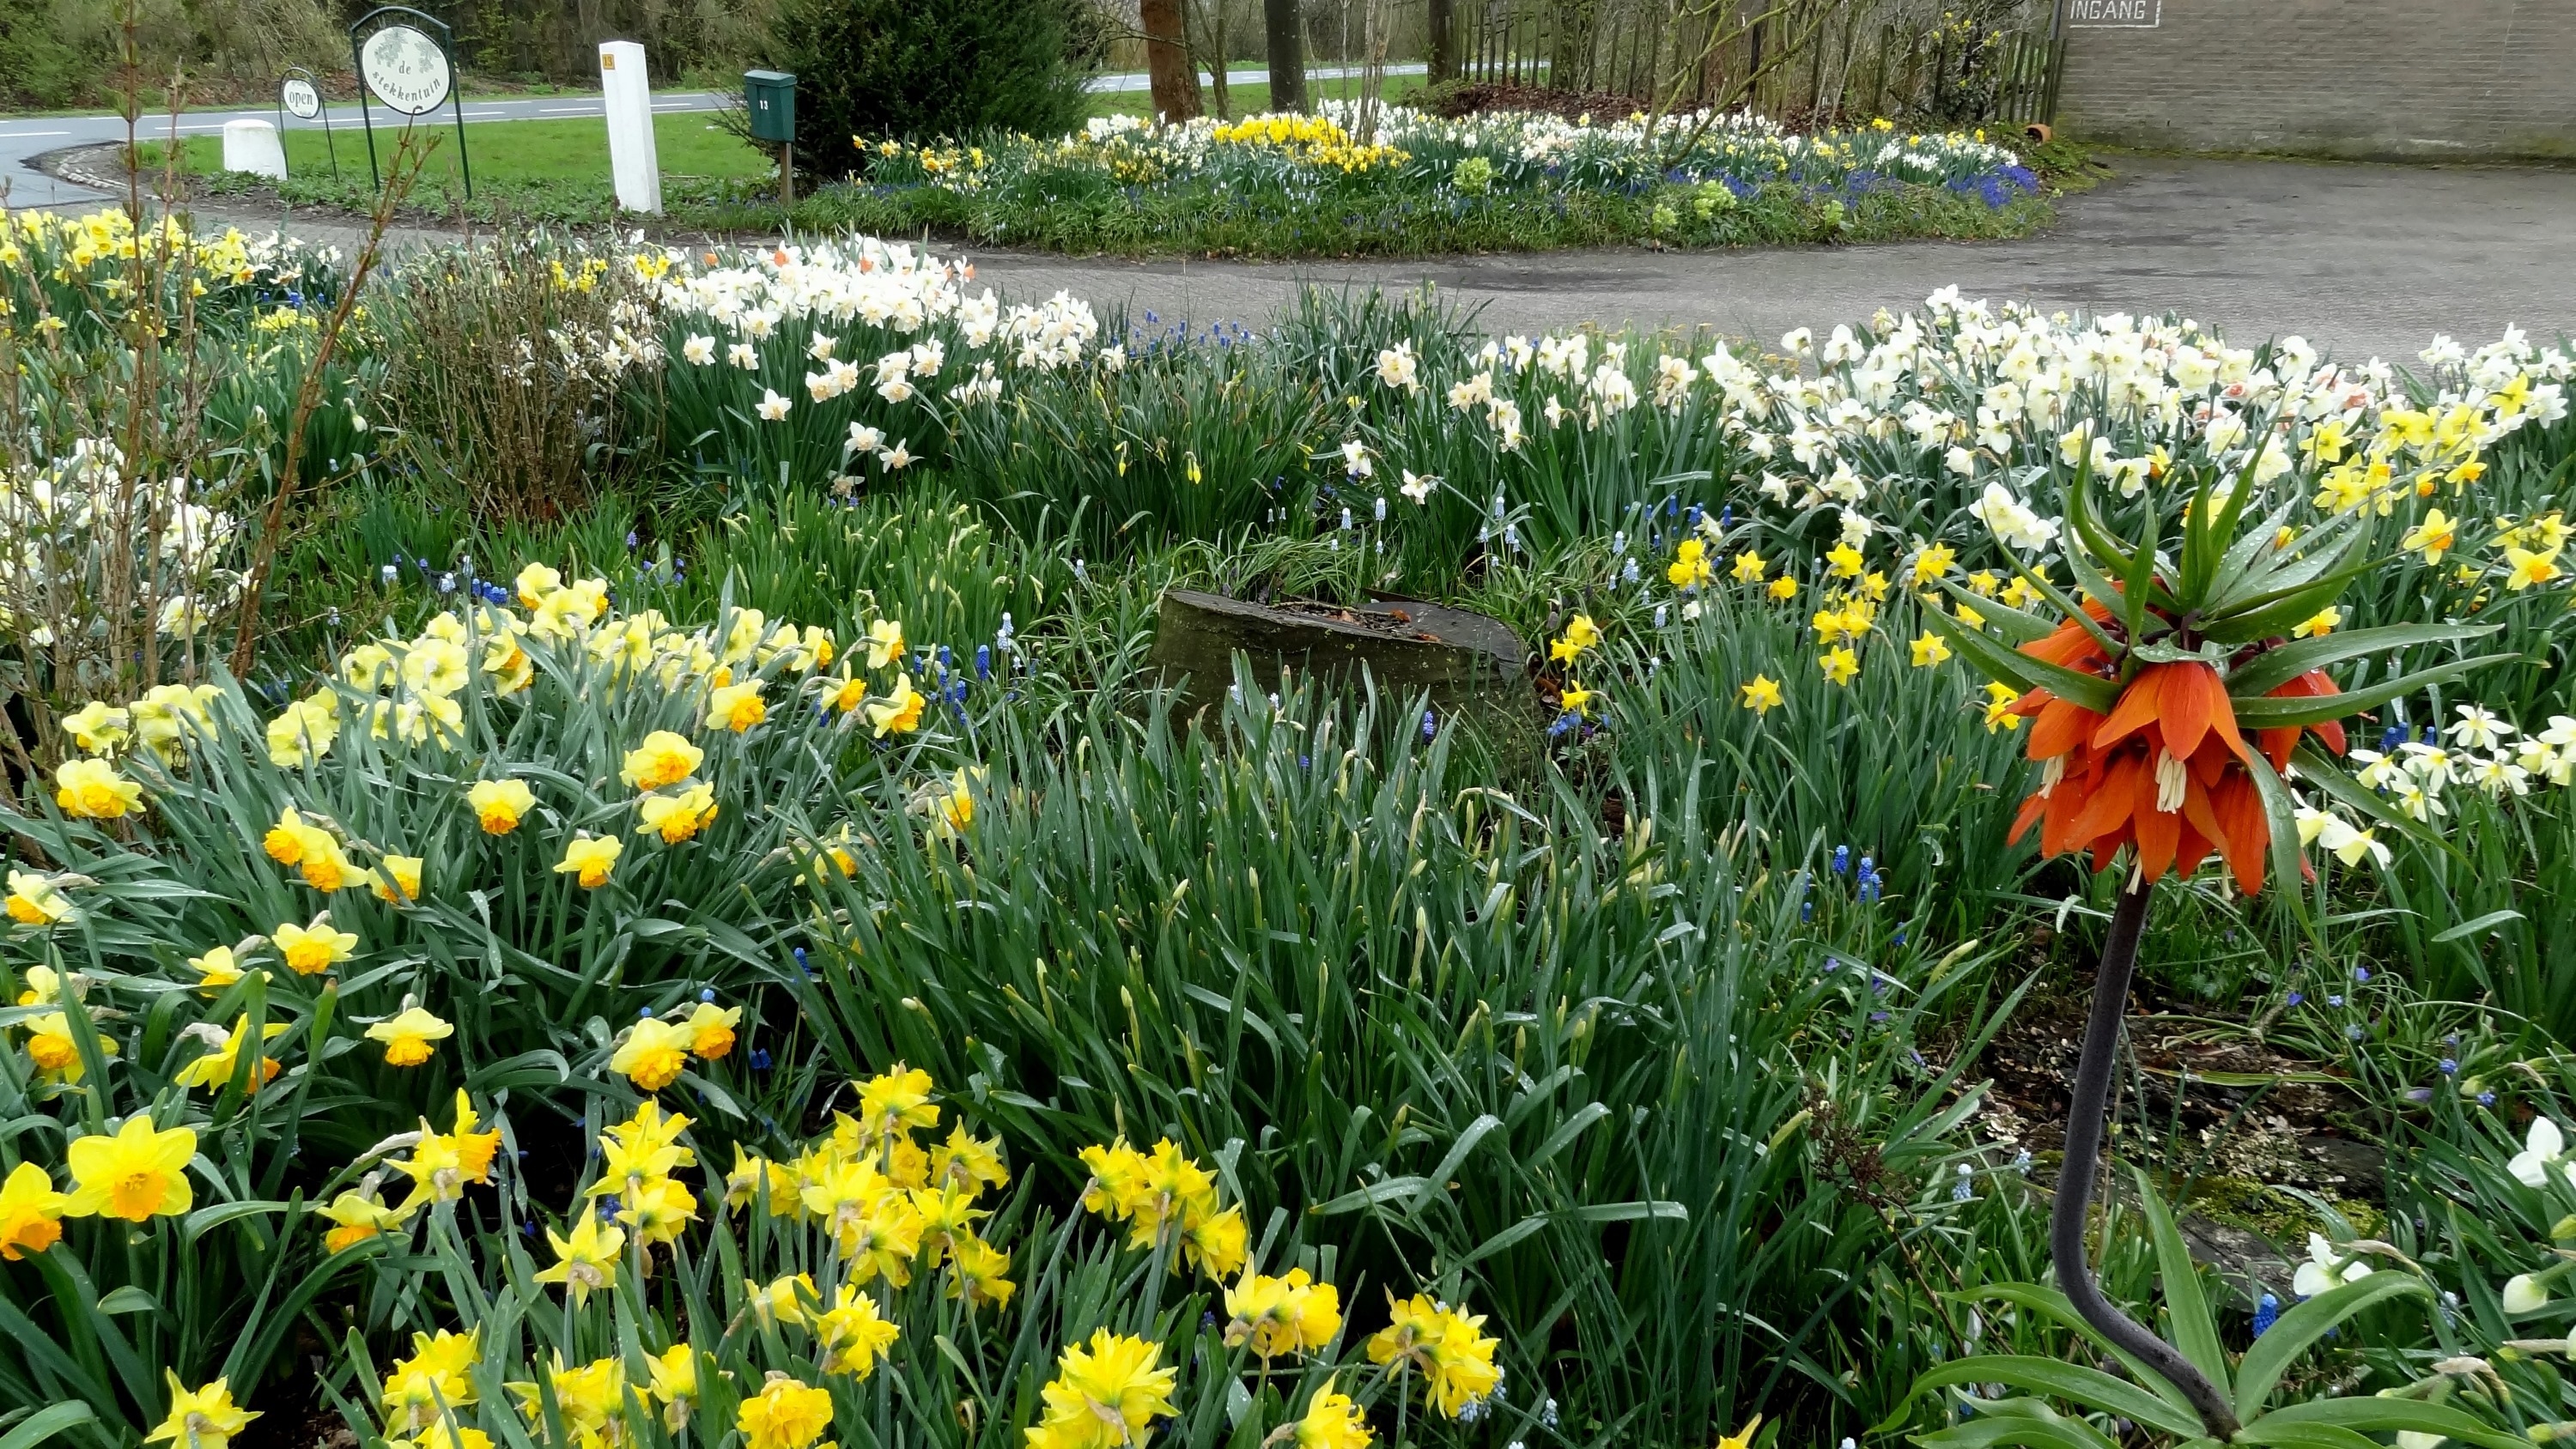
2142	697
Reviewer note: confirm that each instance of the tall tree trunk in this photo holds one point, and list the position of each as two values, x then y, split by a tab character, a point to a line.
1440	19
1287	55
1167	60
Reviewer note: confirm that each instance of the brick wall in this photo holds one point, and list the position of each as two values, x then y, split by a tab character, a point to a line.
2411	78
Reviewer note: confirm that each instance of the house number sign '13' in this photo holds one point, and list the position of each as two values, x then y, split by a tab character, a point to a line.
406	69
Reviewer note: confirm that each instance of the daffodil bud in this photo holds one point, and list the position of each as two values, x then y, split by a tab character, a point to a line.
2523	1293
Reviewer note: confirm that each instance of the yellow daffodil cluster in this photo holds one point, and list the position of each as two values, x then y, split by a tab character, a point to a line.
1169	1204
1106	1394
1446	1347
891	1206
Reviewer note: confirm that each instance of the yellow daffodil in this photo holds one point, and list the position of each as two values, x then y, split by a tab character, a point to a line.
851	1335
97	727
1929	650
1741	1438
662	759
785	1414
31	1212
975	1270
138	1174
92	790
1690	567
2525	568
587	1260
652	1054
1931	563
885	643
409	1035
1783	588
216	969
202	1418
674	1375
1277	1316
358	1216
2323	621
676	817
313	949
1843	561
1750	568
34	900
737	707
711	1030
1332	1421
1443	1345
1574	699
499	805
2000	699
1106	1395
1580	634
440	1371
1761	695
589	858
214	1070
396	879
1839	664
899	712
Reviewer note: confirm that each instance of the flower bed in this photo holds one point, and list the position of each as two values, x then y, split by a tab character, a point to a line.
563	1001
1291	184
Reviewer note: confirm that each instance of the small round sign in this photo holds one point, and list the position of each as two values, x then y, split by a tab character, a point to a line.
406	69
299	98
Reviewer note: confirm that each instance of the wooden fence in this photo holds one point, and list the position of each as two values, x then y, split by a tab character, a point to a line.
1824	62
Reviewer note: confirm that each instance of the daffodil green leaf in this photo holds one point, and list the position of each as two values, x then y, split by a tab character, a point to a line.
2305	1436
46	1423
2279	666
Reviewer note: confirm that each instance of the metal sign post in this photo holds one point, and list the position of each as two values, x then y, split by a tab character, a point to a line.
298	95
401	65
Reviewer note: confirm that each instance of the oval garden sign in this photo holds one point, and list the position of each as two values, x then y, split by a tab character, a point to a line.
406	69
299	97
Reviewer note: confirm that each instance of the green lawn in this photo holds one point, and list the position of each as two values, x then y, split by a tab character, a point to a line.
563	152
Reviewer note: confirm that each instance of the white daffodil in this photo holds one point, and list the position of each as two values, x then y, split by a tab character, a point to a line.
2543	1147
2326	1269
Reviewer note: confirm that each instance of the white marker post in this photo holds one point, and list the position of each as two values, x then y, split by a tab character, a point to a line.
629	99
253	146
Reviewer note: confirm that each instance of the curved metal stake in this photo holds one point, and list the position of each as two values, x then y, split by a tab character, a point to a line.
2089	1105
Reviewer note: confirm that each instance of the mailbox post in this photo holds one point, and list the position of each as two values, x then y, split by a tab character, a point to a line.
770	97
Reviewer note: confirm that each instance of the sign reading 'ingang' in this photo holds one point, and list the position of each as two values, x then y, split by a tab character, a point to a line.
2115	14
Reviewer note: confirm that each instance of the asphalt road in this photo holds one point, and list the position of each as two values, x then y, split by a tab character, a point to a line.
24	139
2364	259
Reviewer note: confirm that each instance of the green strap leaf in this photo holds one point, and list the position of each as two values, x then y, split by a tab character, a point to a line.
2283	819
2291	660
2305	1436
45	1423
2195	1332
2299	1329
2090	1388
2012	667
2025	1422
2266	713
2049	1302
2371	1415
2016	626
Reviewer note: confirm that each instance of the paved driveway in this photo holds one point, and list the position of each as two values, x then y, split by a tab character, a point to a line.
2365	259
2368	260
